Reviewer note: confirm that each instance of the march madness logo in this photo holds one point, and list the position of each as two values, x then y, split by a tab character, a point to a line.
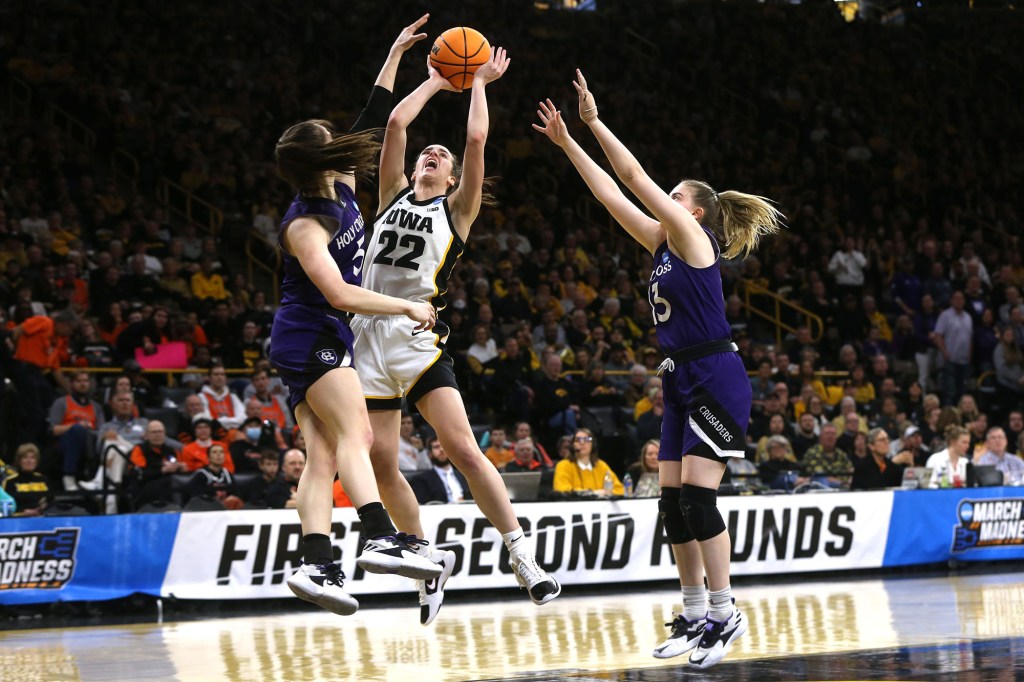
43	560
989	523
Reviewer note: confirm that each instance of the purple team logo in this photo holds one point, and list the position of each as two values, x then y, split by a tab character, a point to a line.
328	356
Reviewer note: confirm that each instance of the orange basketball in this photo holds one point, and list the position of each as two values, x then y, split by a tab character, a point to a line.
458	53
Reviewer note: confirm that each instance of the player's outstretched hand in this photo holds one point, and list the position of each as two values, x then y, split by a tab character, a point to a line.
409	37
588	105
439	81
554	127
423	314
494	68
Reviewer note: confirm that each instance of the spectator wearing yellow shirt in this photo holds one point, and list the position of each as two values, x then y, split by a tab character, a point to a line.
877	319
583	469
207	284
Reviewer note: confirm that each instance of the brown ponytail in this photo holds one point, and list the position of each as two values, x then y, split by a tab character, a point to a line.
304	154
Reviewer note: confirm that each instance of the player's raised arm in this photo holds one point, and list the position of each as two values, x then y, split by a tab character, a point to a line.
392	154
465	201
375	113
682	230
639	225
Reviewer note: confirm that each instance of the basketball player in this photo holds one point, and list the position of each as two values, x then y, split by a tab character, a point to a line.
707	393
321	242
418	235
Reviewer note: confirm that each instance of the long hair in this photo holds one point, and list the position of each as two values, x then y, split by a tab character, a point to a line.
744	218
594	459
303	155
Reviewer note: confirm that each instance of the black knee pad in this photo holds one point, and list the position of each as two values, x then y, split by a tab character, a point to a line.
676	528
700	508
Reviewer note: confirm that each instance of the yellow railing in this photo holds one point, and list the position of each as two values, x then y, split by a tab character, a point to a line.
169	374
187	205
255	261
748	289
76	132
125	167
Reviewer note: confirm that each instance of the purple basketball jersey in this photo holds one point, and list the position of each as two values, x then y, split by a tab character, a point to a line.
346	246
688	304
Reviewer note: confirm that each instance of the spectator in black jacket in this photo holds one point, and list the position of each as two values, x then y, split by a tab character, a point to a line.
876	471
442	482
555	398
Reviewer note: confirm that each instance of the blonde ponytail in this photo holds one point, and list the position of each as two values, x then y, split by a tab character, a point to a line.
745	218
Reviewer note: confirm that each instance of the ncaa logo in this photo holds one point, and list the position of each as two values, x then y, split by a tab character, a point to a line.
328	356
966	512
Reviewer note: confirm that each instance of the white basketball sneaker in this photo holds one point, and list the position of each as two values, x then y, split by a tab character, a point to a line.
432	591
397	555
541	587
718	637
685	636
322	585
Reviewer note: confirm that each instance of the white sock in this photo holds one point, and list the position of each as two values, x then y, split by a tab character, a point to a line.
721	604
695	602
515	541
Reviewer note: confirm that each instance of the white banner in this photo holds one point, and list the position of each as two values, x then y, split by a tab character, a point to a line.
249	554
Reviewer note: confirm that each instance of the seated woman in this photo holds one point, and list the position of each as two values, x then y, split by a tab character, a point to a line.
29	488
779	469
584	470
951	468
646	486
776	427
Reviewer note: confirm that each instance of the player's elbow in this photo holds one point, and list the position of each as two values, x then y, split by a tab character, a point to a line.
631	173
396	122
476	138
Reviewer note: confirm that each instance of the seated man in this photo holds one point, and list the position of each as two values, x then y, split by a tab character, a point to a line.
213	480
220	402
255	493
498	451
195	454
525	459
996	455
117	438
154	462
442	482
876	471
281	493
827	464
73	422
524	430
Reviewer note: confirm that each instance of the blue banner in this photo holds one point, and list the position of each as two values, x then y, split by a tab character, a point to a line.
966	524
84	558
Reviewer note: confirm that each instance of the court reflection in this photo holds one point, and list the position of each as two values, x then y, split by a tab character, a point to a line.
605	631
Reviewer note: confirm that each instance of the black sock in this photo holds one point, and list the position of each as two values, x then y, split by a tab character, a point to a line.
316	549
375	520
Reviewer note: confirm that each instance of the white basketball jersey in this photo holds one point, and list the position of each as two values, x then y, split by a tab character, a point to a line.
412	249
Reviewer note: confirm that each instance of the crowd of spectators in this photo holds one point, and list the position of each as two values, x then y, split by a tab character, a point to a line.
902	204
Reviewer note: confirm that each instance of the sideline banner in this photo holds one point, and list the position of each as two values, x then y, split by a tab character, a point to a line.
249	554
972	524
84	558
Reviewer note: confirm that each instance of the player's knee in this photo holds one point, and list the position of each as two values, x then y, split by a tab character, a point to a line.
700	508
676	528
